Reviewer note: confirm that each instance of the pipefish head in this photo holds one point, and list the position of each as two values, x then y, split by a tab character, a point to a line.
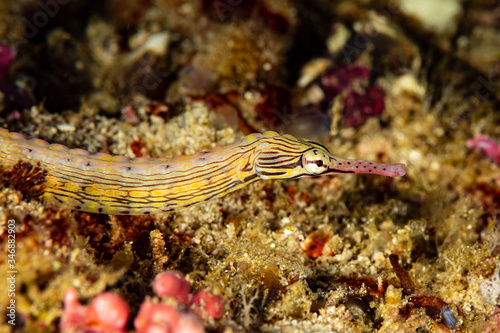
319	160
284	156
289	157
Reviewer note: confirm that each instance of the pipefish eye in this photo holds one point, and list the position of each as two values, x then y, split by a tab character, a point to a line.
314	162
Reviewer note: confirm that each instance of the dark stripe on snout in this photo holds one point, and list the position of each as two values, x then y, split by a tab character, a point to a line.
337	170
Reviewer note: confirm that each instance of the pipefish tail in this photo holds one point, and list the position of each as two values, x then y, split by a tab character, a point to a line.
101	183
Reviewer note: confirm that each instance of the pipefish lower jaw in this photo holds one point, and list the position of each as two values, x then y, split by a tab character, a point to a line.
101	183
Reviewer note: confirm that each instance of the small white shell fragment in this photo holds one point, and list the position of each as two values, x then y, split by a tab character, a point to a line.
312	70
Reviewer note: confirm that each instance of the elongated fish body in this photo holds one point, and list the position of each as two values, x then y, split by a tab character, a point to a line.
101	183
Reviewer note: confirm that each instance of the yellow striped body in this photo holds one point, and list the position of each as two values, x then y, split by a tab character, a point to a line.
118	185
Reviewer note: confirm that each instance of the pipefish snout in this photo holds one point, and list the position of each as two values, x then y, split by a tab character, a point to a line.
101	183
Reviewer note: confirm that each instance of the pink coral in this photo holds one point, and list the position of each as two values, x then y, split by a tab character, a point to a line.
7	54
172	284
338	79
359	107
208	305
361	101
107	312
488	146
163	318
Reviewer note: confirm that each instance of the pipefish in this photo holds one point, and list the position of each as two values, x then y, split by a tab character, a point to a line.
101	183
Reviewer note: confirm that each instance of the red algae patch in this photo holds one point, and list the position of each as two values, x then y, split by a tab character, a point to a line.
402	274
26	178
314	244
